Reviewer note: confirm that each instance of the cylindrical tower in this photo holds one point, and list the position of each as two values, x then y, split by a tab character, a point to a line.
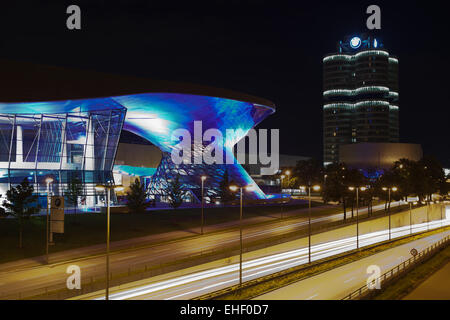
360	84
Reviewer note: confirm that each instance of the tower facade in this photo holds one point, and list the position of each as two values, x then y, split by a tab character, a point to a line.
361	95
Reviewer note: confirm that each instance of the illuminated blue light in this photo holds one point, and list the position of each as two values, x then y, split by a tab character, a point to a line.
154	116
355	42
134	171
375	43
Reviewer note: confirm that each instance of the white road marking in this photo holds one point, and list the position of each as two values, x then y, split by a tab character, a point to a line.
348	280
312	296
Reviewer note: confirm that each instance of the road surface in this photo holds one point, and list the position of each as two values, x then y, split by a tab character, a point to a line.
211	279
338	283
31	280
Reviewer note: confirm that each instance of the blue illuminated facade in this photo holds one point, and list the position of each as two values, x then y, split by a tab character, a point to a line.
63	139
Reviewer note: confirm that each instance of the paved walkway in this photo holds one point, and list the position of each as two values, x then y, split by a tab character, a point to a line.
436	287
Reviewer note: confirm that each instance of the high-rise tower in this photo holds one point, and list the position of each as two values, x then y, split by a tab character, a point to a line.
360	91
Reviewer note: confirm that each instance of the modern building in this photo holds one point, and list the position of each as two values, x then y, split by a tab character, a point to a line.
360	94
272	183
134	160
60	123
378	156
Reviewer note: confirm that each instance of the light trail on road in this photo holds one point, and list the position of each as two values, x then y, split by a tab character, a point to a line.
199	283
27	281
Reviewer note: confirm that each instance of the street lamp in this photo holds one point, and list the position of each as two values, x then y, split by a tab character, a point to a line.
288	173
107	187
281	183
235	188
282	196
357	211
203	180
315	188
394	189
48	181
411	203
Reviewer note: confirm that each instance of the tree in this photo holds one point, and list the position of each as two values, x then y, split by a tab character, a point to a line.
74	191
175	192
421	178
225	193
434	175
137	197
444	187
2	211
21	203
405	175
334	187
339	179
386	180
353	178
308	172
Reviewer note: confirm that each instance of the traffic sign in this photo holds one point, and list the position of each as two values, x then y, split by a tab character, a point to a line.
57	214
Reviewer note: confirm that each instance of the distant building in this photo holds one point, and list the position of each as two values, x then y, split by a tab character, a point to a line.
135	161
378	155
272	183
360	94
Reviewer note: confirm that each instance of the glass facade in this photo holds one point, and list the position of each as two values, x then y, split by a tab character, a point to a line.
61	146
68	138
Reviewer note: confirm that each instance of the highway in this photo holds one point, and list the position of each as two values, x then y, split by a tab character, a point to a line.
339	282
25	281
212	279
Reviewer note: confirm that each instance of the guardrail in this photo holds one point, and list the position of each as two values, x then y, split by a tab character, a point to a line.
389	276
141	271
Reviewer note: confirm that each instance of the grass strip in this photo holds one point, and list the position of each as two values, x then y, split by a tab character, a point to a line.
405	284
260	286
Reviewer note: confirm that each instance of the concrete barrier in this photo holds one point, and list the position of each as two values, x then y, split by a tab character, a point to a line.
432	212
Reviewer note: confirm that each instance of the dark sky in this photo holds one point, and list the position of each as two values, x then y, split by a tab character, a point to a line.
272	49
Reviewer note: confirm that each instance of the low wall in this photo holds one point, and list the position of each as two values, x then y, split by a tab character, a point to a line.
401	219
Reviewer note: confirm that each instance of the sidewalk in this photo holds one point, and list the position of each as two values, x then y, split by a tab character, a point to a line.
178	235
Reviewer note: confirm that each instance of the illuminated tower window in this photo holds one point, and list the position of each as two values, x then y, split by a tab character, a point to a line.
361	90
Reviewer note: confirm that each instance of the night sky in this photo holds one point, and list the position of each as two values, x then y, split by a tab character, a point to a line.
271	49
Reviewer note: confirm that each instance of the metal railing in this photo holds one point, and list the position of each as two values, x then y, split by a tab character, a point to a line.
139	271
397	271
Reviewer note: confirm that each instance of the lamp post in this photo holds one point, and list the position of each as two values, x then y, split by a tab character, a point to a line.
410	219
394	189
357	211
282	196
315	188
411	203
49	180
235	188
288	173
108	188
203	180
